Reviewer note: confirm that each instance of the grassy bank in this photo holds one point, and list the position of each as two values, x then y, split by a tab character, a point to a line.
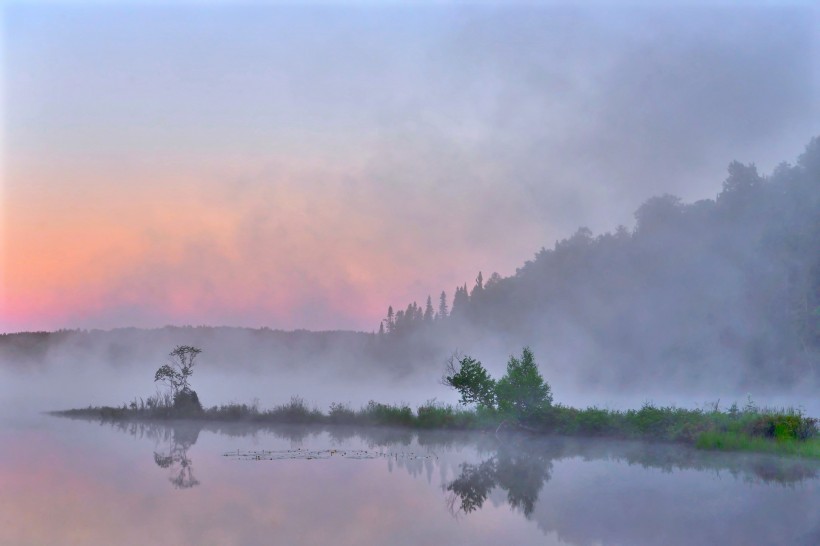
779	431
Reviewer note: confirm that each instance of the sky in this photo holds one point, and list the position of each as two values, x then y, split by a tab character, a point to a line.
306	165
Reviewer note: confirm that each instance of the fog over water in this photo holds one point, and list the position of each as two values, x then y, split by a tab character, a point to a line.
74	382
307	167
332	199
73	482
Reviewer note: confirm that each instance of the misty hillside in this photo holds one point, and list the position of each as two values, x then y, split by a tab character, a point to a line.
724	289
226	347
722	292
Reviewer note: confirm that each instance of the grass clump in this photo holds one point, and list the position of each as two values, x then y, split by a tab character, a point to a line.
736	441
434	414
384	414
296	411
341	414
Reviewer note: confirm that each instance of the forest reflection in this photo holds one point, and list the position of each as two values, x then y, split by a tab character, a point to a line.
518	465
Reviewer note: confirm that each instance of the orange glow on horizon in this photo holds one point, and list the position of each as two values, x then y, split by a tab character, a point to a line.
292	250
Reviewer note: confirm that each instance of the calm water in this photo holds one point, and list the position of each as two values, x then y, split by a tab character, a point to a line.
78	482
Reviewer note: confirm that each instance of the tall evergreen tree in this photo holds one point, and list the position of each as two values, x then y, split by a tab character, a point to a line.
443	312
479	286
461	301
391	320
428	310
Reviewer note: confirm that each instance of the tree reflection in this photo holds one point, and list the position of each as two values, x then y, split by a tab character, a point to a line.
518	471
473	485
176	459
519	465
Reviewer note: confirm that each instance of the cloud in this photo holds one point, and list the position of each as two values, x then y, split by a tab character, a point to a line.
326	162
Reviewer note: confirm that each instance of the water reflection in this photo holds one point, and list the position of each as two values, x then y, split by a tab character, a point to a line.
519	465
578	491
514	469
175	457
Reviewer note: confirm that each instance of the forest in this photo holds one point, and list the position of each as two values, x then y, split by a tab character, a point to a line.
722	291
720	287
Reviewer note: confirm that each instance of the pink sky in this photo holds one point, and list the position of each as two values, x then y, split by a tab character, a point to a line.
291	247
305	167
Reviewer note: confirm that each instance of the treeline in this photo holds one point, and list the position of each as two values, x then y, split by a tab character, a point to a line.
722	292
227	347
730	284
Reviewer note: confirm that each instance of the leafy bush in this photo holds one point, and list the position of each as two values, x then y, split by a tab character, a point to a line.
436	415
472	382
383	414
341	414
594	421
522	392
295	411
789	426
186	402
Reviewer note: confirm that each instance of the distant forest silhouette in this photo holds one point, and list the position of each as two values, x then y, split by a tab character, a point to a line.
719	290
738	276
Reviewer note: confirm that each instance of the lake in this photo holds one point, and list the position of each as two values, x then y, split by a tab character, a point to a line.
66	481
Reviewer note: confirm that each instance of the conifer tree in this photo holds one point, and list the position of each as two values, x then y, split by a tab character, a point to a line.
391	320
428	310
443	312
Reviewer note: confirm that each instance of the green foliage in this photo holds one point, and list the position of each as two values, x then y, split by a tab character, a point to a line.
788	426
473	383
436	415
295	411
522	392
594	421
231	412
383	414
737	441
653	421
340	414
521	395
784	431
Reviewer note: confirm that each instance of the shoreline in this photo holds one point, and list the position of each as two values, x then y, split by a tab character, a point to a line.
783	432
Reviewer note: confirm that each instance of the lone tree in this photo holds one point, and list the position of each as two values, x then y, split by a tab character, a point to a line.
176	374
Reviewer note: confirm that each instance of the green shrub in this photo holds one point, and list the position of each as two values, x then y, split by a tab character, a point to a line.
593	421
432	415
522	393
383	414
295	411
341	414
788	426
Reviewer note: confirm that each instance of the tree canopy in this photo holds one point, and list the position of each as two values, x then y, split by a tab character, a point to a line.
522	393
176	374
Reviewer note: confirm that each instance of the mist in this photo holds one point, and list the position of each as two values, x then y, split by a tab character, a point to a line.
452	272
158	170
